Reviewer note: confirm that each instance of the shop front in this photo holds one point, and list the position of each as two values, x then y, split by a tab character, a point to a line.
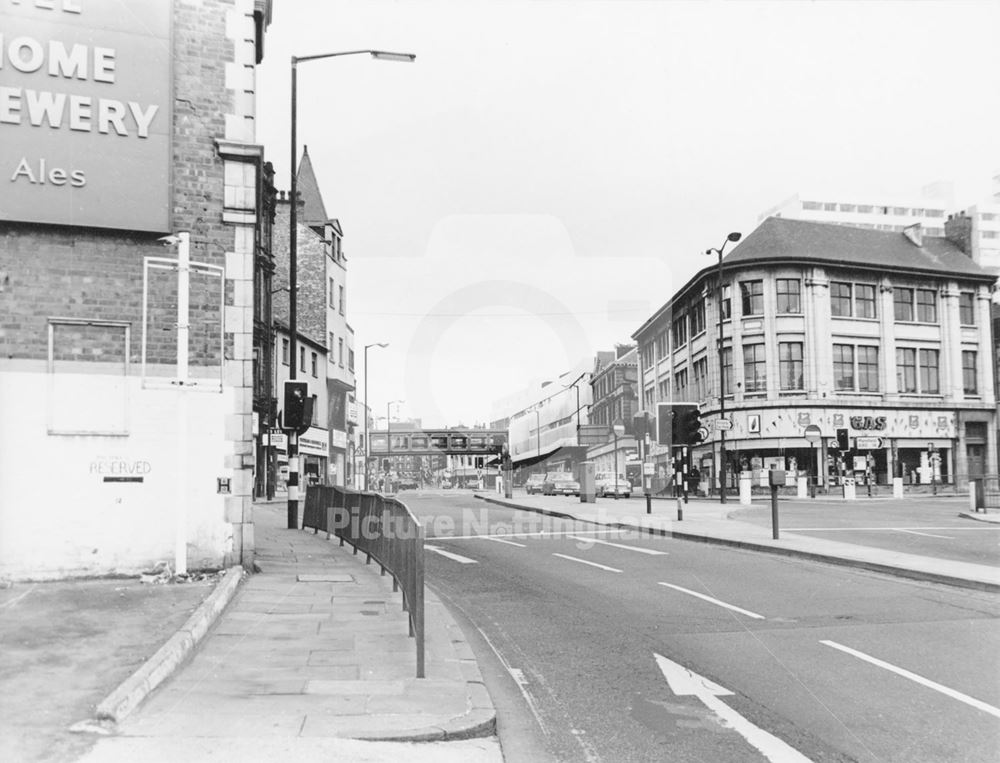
922	446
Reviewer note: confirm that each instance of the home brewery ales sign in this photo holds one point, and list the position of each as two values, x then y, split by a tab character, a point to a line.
85	113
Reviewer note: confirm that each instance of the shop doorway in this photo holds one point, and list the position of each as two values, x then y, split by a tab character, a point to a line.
976	458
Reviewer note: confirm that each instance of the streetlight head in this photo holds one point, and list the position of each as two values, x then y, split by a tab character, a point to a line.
381	344
384	55
734	237
709	251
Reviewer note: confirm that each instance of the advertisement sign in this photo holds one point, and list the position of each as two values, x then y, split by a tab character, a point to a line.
86	114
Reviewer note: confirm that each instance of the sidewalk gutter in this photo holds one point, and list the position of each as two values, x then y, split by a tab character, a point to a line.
131	692
865	564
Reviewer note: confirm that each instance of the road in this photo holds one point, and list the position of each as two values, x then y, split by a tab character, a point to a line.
599	632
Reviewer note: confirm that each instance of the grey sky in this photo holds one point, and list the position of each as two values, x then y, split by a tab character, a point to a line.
546	173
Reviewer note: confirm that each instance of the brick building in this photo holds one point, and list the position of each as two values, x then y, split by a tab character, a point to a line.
126	360
884	334
614	385
325	338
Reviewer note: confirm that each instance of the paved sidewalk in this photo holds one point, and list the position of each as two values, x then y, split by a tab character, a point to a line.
311	653
710	522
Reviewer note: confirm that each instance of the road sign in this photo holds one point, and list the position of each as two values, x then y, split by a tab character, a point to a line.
703	433
813	433
868	443
648	469
723	424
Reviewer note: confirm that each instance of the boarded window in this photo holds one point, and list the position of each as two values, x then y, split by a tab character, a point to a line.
88	361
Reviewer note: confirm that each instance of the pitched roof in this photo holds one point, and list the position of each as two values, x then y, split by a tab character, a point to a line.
779	239
313	209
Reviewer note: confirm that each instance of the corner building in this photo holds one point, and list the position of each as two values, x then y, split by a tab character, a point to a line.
884	334
127	370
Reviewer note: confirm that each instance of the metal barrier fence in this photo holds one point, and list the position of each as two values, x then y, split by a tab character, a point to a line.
385	530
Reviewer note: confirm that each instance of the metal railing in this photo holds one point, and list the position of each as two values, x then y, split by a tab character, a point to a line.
385	530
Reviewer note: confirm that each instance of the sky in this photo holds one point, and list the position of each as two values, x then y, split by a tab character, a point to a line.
545	174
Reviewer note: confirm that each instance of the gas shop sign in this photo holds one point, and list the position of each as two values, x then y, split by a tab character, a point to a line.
85	113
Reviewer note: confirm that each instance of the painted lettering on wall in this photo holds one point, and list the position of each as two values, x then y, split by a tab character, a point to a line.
868	422
120	467
84	94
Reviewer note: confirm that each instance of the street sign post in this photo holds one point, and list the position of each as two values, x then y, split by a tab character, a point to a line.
813	435
869	443
723	425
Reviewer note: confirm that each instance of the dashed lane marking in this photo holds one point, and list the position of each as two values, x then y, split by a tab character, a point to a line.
620	545
926	535
501	540
449	555
718	603
978	704
584	561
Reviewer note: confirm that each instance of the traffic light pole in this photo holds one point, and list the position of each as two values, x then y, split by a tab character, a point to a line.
293	328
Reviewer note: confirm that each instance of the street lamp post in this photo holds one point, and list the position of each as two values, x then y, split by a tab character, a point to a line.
618	429
734	237
538	433
293	438
388	437
367	449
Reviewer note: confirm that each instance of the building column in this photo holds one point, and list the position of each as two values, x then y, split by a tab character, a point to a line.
887	325
951	341
986	359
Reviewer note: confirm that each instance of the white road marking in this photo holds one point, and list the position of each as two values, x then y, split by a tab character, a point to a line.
13	602
501	540
449	555
746	612
619	545
684	682
981	527
522	684
926	535
539	534
918	679
584	561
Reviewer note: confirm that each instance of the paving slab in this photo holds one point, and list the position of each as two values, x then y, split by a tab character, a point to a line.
316	645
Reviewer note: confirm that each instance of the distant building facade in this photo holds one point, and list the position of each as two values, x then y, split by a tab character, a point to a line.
884	334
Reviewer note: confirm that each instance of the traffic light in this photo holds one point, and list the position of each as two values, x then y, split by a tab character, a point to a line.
297	410
685	425
664	424
843	439
688	423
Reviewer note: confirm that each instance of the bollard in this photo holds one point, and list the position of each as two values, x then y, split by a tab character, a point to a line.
680	510
812	487
973	489
649	503
803	487
745	488
897	487
774	512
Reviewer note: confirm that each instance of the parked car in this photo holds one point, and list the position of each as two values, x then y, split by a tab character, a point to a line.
534	483
409	483
560	483
605	485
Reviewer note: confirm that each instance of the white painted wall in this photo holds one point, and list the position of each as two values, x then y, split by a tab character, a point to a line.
59	518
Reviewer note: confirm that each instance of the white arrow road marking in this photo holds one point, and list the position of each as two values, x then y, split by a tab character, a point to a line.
584	561
746	612
918	679
619	545
449	555
501	540
684	682
926	535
